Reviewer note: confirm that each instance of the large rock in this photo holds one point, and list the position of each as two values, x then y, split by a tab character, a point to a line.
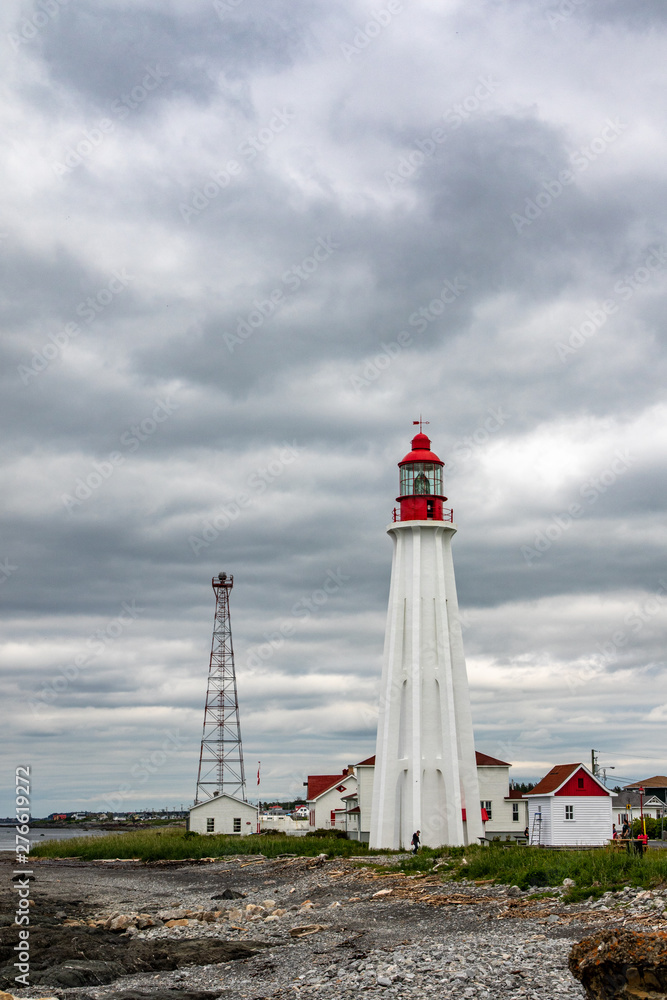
121	922
621	965
81	972
93	956
156	993
230	894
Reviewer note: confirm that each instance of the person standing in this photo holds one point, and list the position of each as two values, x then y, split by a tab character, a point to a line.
415	841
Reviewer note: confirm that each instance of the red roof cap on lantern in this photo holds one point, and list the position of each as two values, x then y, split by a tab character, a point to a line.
421	451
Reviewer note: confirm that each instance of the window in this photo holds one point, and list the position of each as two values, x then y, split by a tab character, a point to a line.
515	812
569	812
237	824
580	782
487	806
421	479
210	824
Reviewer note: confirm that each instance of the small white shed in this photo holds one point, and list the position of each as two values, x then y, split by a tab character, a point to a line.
570	806
223	814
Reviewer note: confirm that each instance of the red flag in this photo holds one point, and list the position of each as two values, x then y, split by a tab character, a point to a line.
258	766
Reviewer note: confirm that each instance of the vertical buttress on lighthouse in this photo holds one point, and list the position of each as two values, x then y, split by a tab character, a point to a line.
425	769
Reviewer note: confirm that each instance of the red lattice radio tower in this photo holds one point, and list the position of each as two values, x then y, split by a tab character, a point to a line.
221	757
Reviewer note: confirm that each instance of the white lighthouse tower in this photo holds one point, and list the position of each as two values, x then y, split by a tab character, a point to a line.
425	769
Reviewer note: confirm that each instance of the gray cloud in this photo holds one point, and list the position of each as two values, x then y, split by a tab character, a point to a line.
304	233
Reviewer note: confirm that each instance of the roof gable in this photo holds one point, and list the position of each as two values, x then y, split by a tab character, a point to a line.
483	760
582	782
370	761
318	784
659	781
224	795
562	780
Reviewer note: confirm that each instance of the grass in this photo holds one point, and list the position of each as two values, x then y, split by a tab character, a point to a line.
593	872
175	844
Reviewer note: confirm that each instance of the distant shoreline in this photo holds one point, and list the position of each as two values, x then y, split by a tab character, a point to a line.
96	826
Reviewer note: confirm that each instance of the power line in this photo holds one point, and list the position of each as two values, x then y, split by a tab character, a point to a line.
621	753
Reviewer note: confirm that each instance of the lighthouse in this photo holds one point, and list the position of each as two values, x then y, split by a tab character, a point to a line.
425	769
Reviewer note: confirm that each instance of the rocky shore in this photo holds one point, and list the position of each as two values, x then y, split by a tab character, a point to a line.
250	927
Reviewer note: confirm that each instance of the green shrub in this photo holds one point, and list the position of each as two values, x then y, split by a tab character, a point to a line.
594	872
654	827
333	834
175	844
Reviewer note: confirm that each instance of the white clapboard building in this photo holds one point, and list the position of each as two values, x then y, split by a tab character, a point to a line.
343	801
569	807
223	814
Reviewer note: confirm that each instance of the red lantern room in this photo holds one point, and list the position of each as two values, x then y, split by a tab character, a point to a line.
421	496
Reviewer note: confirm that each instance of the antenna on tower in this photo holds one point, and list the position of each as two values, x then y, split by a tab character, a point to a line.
221	756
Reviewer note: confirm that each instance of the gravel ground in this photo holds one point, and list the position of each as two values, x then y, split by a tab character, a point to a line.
368	930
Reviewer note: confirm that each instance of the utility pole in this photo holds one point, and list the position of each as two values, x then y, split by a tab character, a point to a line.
594	761
221	757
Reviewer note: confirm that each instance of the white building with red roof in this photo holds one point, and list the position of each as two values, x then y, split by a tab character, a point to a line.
326	803
506	810
570	806
344	801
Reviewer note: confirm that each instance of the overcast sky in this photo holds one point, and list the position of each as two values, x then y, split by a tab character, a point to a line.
244	245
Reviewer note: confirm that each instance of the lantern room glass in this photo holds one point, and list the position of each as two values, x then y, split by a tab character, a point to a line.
421	479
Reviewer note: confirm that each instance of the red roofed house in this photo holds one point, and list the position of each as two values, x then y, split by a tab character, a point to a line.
569	807
506	810
325	799
358	801
343	801
656	786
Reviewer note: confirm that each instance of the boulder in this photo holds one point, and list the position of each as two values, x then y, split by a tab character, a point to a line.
230	894
10	996
621	965
82	972
121	922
